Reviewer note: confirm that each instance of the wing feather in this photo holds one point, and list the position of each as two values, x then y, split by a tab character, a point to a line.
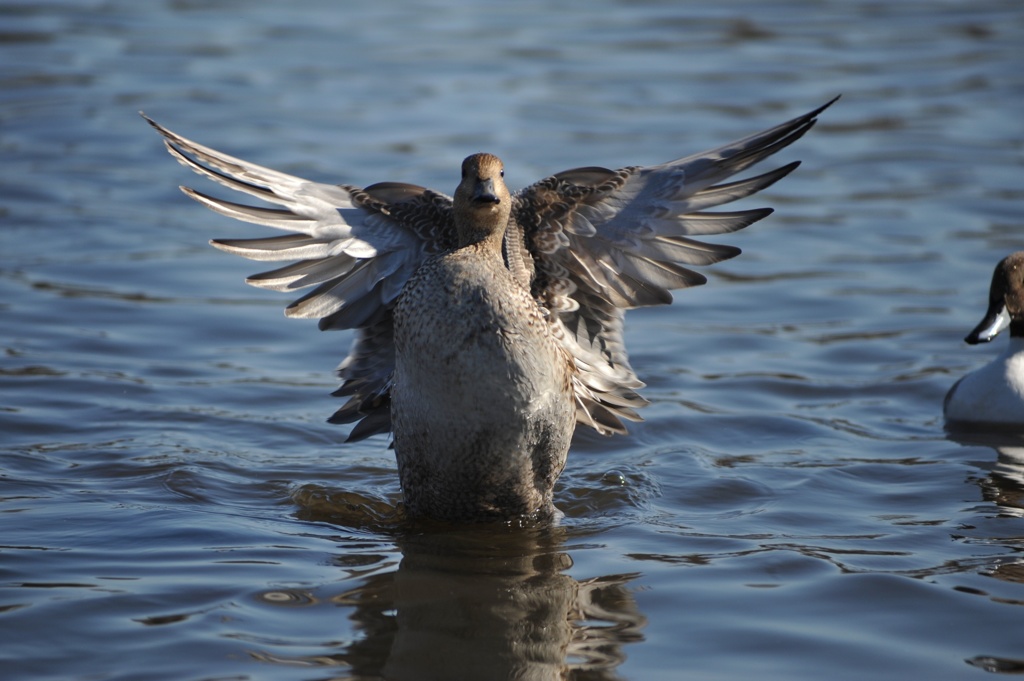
355	247
605	241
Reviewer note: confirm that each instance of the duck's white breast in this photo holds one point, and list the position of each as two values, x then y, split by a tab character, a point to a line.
993	393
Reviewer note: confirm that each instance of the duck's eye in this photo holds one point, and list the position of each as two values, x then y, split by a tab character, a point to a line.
503	172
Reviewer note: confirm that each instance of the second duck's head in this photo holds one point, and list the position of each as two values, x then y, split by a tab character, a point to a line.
482	201
1005	303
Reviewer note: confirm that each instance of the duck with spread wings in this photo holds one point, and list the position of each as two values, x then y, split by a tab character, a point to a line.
488	324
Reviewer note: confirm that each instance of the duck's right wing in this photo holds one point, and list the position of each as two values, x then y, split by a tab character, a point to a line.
357	247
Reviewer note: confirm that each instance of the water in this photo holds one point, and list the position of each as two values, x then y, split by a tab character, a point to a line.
177	508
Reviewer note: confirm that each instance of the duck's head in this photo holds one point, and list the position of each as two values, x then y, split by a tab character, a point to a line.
1005	301
482	201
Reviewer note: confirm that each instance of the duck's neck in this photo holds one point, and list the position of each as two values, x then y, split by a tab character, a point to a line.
485	238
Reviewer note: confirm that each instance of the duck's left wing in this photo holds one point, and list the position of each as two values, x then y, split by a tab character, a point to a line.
593	242
357	247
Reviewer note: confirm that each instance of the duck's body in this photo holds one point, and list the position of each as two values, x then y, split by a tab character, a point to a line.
493	435
490	324
994	394
482	403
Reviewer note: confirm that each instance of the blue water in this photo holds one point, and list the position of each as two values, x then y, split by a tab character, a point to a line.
175	506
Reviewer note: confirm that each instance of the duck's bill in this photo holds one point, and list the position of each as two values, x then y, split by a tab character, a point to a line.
996	319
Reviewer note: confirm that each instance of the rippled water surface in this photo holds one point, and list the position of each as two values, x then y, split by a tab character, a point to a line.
177	508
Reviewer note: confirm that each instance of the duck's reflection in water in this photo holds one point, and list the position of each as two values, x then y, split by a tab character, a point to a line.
1004	487
488	606
1004	484
484	603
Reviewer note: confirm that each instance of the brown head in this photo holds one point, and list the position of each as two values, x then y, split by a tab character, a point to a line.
482	201
1005	301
